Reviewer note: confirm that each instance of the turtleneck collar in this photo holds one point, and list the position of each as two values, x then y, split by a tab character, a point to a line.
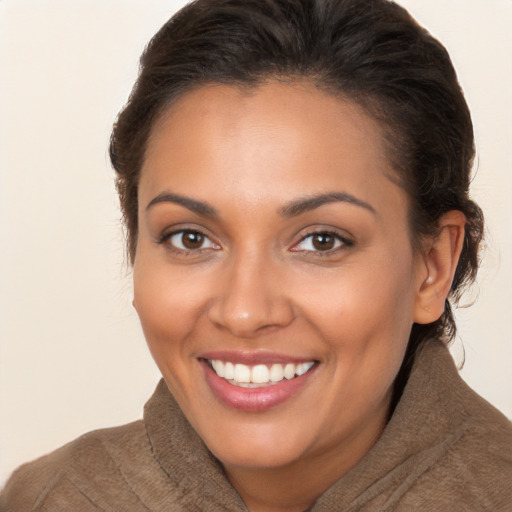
427	421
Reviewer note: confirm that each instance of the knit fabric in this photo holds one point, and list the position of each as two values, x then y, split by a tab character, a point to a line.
444	449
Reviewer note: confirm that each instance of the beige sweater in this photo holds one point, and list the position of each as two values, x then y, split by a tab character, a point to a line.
445	449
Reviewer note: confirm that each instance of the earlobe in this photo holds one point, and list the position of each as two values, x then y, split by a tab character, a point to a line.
440	261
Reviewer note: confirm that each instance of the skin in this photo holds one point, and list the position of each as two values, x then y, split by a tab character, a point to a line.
257	282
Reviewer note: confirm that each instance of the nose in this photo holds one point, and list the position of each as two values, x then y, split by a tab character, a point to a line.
251	298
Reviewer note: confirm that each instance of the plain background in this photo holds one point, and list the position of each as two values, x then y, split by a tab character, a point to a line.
72	355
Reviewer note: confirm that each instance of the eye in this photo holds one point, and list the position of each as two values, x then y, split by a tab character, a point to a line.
322	241
189	240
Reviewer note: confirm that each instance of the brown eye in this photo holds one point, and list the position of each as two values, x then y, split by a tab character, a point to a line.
323	241
190	240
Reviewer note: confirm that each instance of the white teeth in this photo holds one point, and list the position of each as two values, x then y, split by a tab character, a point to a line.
276	372
303	368
229	371
241	374
218	366
289	371
260	374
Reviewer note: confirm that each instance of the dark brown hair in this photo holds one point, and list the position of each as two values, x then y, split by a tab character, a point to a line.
369	51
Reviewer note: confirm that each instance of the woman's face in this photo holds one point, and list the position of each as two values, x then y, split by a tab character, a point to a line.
272	242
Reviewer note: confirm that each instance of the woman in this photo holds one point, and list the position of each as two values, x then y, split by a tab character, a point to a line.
294	180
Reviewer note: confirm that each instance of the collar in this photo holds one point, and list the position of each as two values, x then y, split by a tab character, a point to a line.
427	421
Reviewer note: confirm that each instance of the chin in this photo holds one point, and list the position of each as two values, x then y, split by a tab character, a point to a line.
257	443
254	454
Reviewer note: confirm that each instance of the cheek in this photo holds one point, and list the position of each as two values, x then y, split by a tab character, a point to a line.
167	309
167	315
165	297
362	305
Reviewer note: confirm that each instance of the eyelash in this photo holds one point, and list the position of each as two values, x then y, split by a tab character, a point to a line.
166	239
342	241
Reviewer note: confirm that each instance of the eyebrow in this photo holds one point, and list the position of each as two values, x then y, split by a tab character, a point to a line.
291	209
308	203
199	207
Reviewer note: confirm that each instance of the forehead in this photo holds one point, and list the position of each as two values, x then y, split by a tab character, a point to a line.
294	138
266	108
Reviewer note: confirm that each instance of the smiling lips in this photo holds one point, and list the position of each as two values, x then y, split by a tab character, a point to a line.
255	387
260	374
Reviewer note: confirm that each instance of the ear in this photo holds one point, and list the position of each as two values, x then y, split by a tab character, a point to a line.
438	263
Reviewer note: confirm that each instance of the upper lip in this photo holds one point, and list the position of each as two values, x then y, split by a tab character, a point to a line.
253	358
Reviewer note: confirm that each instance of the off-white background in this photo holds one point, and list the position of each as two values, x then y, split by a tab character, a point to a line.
72	355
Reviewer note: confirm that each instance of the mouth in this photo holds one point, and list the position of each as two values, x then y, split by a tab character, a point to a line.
259	375
257	386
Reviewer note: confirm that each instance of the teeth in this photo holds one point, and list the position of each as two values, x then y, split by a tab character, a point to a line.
241	374
260	374
303	368
229	371
289	371
276	372
218	366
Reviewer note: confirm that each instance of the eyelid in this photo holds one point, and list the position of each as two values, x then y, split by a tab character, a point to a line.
344	241
167	235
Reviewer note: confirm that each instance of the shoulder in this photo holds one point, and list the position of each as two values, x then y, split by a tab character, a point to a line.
455	448
480	464
70	473
475	469
475	473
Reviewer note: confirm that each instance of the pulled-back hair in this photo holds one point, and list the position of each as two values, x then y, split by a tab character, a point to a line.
369	51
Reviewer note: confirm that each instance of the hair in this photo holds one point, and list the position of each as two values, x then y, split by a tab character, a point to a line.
369	51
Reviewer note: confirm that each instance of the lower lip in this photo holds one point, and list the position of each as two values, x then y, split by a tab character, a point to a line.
254	399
